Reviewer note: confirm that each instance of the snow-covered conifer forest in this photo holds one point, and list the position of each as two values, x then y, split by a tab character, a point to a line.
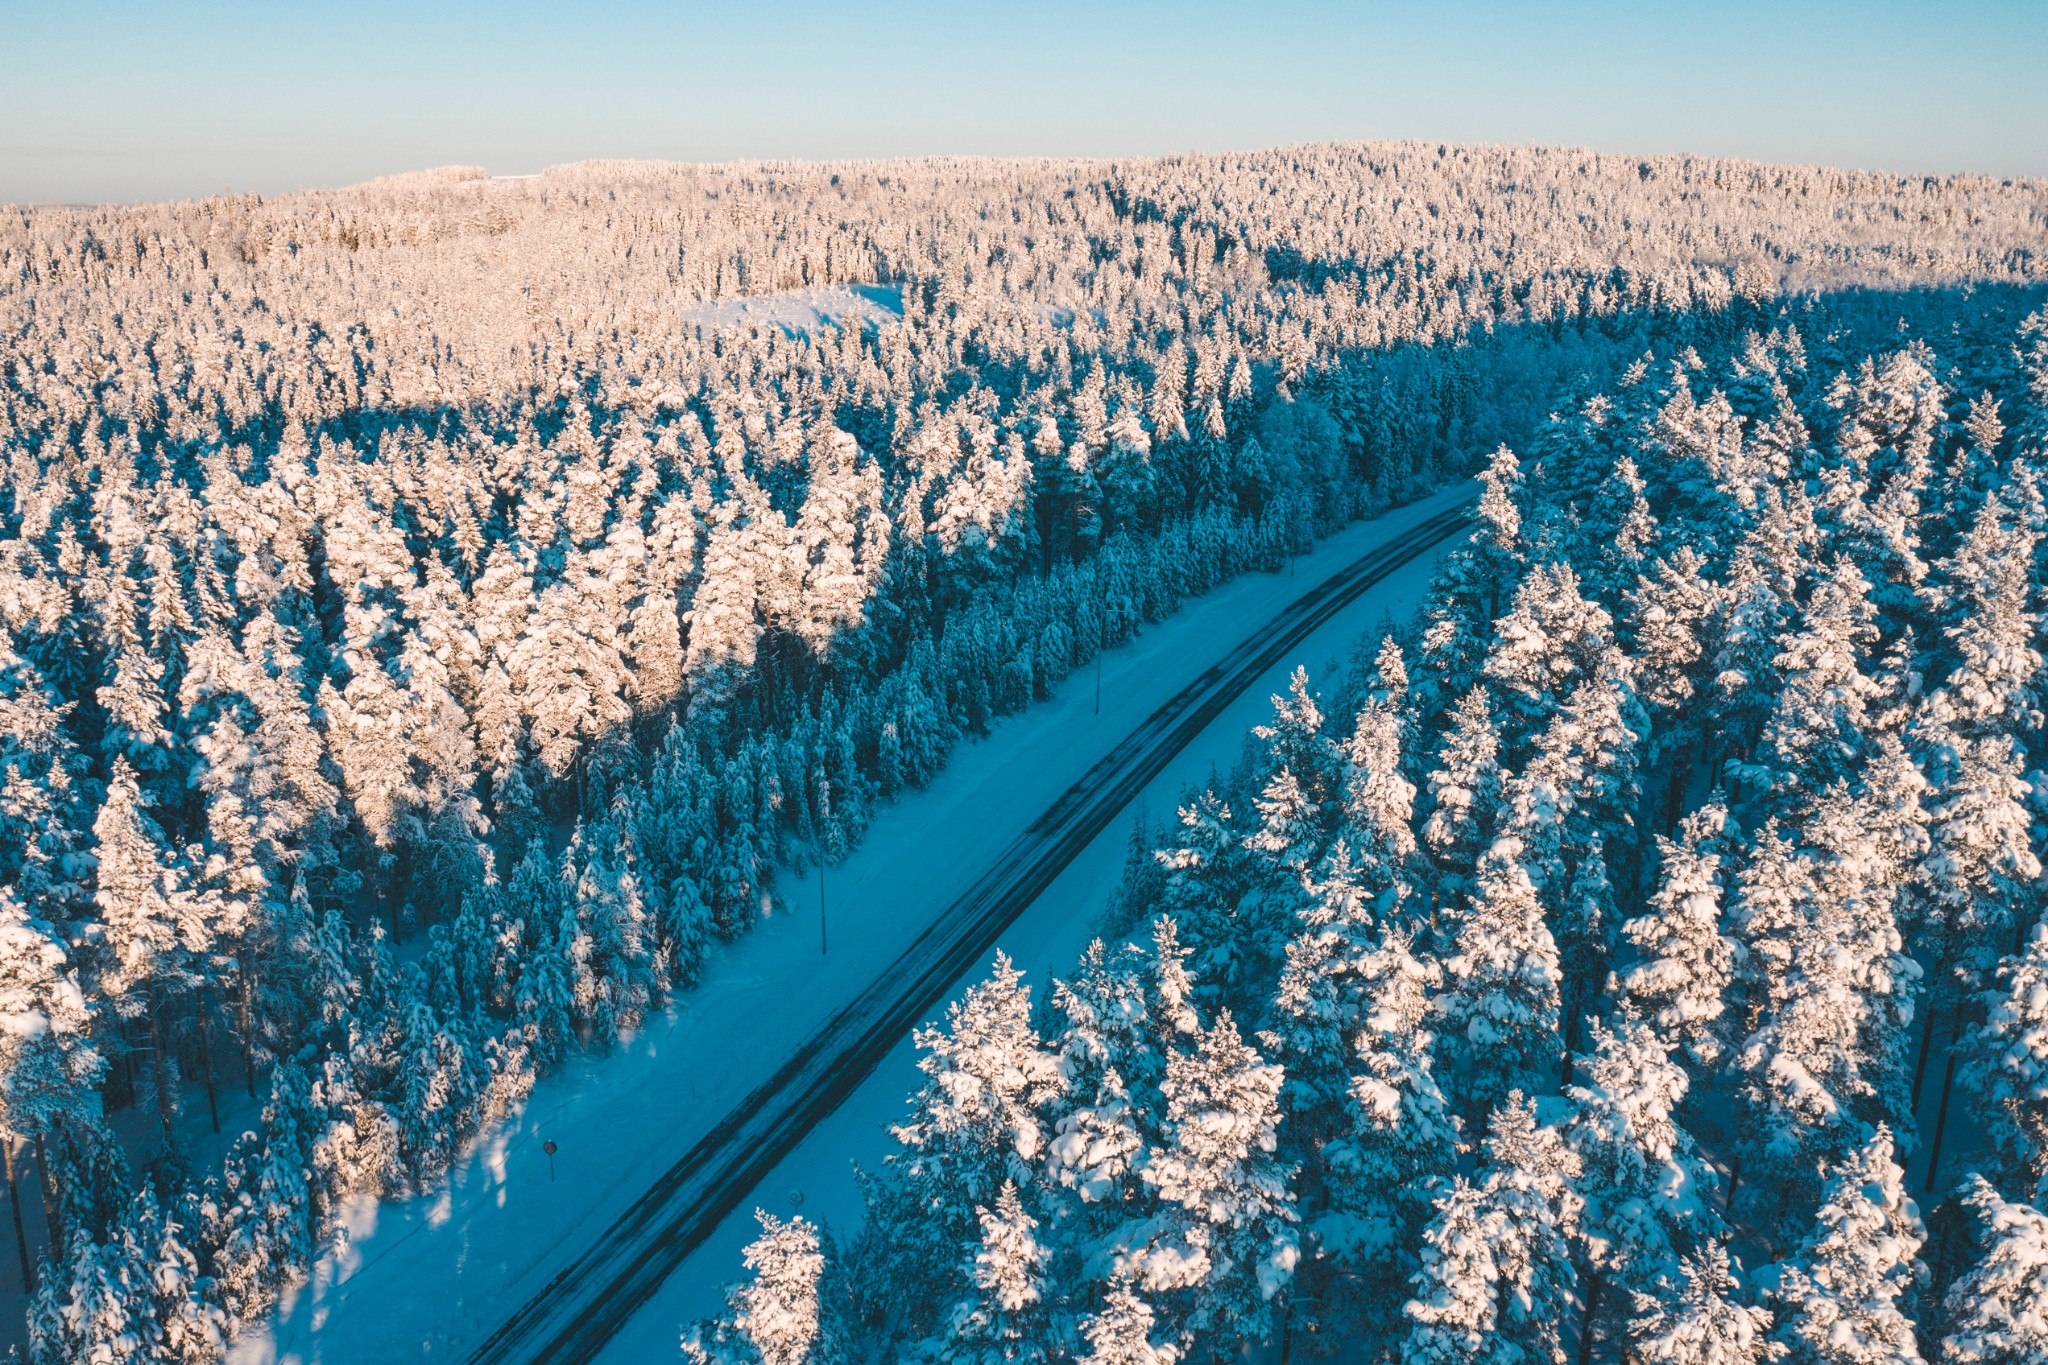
434	610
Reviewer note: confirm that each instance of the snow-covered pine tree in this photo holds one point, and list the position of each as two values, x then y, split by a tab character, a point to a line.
1007	1320
1379	800
1106	1051
1586	934
775	1318
1317	1004
1495	556
1497	1017
1381	1177
1842	1296
47	1063
1456	1312
1464	791
1668	629
1685	964
180	1305
1820	726
2007	1068
1120	1332
1211	876
1650	1197
1997	1314
978	1121
1295	743
153	927
1551	640
1702	1322
1222	1246
1497	1279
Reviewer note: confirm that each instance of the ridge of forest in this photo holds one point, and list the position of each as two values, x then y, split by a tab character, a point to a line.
421	635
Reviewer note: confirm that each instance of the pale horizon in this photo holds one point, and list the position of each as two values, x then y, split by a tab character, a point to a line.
115	102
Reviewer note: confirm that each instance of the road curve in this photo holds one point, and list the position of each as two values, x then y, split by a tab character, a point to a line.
569	1320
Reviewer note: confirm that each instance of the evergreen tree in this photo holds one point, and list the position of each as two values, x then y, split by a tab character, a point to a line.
1120	1333
1649	1195
1685	963
776	1318
152	925
1842	1296
2007	1067
1551	640
1382	1176
1379	801
47	1064
1006	1321
1702	1323
1998	1313
1821	724
977	1122
1464	792
1455	1315
1496	1277
1224	1236
1318	1003
1498	1013
1295	743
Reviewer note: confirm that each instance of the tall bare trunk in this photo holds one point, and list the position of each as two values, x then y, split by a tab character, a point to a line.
1948	1080
247	1010
49	1194
206	1060
28	1273
160	1063
1586	1319
1920	1062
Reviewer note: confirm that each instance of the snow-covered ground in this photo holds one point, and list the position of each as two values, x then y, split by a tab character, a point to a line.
1044	941
800	310
426	1277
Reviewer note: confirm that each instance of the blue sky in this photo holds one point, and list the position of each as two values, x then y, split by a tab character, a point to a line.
119	99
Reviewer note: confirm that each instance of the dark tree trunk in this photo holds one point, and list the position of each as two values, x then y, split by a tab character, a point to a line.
28	1273
1587	1318
50	1220
160	1063
1920	1062
1948	1080
247	1010
206	1061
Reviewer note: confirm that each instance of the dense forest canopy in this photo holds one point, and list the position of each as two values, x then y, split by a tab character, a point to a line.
1580	973
424	631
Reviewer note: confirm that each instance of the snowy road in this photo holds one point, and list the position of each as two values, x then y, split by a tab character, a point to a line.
584	1305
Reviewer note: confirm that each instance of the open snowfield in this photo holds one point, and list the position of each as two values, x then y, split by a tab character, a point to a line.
429	1276
800	310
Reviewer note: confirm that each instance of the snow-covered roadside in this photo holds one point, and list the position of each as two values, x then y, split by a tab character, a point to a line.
1044	942
426	1276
